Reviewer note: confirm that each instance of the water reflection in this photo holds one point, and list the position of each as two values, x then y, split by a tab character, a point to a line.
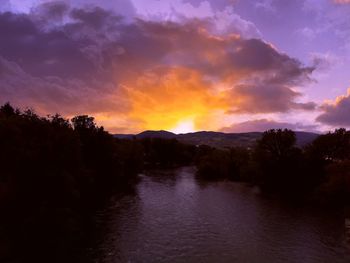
347	231
173	218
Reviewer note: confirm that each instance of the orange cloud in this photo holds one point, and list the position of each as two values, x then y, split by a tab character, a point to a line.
143	74
197	77
168	98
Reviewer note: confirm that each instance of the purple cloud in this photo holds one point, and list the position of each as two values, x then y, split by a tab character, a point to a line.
265	124
71	60
337	113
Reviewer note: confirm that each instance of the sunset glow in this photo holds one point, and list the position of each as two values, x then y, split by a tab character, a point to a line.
184	65
185	126
172	99
149	130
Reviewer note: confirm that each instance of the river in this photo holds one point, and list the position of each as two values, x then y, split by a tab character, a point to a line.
173	217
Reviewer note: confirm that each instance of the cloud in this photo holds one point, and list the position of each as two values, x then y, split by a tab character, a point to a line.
267	98
53	94
341	1
307	33
221	13
336	113
122	7
228	22
141	74
5	5
265	124
164	97
266	5
56	69
215	4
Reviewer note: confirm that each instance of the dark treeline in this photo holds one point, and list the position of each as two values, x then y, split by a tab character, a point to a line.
318	172
55	173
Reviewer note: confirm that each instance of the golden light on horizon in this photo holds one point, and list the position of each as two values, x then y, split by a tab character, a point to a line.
175	99
184	126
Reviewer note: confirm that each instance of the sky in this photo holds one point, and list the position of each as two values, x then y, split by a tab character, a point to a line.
180	65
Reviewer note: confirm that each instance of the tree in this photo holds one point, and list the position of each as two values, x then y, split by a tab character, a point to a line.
59	121
328	160
276	144
7	110
84	122
52	176
279	161
331	147
336	188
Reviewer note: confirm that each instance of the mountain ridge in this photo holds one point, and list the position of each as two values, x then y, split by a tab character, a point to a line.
216	139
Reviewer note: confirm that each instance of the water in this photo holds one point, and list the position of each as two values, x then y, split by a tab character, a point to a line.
175	218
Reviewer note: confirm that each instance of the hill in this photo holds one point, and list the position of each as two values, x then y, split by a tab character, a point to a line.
216	139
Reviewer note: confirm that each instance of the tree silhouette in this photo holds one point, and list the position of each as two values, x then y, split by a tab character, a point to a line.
333	146
83	122
7	110
53	173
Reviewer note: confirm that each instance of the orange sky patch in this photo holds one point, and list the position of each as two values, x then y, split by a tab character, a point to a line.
173	99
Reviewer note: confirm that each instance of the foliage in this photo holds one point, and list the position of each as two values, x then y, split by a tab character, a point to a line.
318	171
166	153
55	172
231	163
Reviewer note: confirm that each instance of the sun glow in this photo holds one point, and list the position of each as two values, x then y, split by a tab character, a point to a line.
184	126
176	99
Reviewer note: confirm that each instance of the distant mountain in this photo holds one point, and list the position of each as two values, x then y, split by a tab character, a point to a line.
216	139
219	139
156	134
304	138
148	134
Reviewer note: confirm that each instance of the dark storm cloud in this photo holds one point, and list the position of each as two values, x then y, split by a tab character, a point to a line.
337	113
59	58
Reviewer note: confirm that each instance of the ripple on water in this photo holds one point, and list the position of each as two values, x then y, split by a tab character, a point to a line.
174	218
